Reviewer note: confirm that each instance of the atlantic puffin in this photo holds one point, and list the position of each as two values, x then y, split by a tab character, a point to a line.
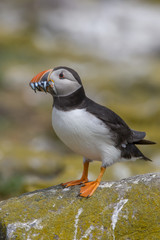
86	127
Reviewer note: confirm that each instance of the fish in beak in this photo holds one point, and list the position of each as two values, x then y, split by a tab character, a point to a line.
41	82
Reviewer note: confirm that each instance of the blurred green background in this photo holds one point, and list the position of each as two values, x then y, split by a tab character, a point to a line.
115	48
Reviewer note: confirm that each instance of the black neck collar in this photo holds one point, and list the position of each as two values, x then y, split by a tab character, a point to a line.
69	102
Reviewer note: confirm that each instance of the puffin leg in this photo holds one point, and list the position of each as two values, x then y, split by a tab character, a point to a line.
89	188
83	179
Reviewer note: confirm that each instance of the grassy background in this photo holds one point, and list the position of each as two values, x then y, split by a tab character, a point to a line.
31	156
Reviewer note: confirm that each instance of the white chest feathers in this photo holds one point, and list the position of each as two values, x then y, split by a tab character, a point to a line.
82	132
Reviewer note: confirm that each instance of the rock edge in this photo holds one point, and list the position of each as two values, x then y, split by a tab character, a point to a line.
127	209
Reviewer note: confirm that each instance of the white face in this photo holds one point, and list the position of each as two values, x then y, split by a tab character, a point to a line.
63	82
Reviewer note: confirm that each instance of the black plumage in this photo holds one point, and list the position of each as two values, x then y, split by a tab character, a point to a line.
123	137
86	127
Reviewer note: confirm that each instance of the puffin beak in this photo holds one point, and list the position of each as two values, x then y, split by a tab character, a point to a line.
41	81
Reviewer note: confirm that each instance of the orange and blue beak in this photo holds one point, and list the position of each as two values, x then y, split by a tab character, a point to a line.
41	81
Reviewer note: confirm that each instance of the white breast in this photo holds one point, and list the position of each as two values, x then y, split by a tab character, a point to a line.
82	132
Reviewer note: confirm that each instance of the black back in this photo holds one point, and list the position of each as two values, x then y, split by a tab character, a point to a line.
123	137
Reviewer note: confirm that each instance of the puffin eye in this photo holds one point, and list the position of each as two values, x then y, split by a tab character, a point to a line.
61	75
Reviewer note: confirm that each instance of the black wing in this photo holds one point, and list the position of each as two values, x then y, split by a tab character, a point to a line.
121	133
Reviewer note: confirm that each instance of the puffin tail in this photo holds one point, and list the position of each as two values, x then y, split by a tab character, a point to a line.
138	138
144	142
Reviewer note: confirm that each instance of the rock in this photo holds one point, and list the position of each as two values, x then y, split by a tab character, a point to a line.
127	209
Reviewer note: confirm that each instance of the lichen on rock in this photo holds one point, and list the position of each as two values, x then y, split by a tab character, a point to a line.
128	209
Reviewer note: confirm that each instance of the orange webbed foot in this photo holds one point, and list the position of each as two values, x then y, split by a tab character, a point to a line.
74	183
89	188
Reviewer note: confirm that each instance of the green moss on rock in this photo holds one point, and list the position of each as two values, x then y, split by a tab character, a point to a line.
128	209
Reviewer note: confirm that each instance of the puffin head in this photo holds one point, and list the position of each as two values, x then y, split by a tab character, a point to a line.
60	81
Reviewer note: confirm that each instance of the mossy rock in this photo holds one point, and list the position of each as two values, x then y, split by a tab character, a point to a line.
128	209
